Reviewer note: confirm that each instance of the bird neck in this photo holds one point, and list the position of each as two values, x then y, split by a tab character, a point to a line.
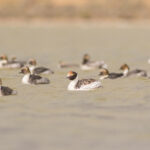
125	72
103	77
32	67
85	61
3	62
73	83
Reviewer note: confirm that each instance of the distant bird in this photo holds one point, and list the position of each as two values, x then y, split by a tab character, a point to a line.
18	62
5	63
126	71
81	85
31	78
5	91
67	65
87	64
104	74
38	70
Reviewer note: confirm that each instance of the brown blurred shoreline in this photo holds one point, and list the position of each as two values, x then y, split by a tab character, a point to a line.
47	11
86	9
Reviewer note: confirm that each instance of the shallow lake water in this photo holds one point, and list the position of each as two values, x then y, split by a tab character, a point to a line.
115	117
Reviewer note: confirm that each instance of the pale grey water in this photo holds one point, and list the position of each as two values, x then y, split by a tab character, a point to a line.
115	117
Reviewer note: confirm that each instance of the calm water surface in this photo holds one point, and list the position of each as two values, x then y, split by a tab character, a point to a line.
115	117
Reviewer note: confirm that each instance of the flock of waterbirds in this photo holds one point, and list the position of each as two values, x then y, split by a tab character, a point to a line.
32	73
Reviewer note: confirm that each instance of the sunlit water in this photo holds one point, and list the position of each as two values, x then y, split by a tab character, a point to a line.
115	117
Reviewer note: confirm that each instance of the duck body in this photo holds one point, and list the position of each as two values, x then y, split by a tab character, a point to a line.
13	65
5	91
135	72
93	65
10	64
115	75
68	65
17	64
104	74
82	85
32	78
87	64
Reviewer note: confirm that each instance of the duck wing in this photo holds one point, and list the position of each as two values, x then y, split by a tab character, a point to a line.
35	79
39	70
84	82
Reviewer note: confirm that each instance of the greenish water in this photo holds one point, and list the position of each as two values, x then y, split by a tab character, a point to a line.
115	117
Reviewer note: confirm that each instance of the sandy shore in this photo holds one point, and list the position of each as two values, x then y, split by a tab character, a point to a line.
61	21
